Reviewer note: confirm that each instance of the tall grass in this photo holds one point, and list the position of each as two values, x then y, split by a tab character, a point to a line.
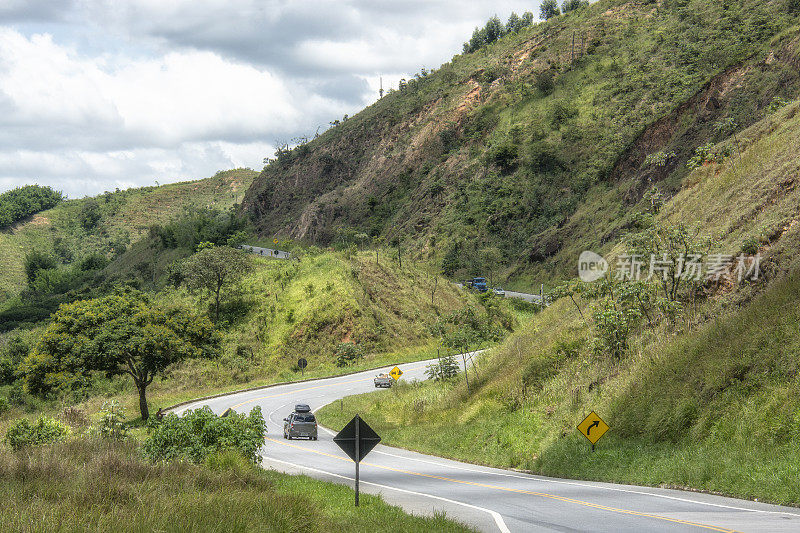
107	486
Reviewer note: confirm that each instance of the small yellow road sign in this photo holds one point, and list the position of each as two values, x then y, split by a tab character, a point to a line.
275	241
593	427
396	373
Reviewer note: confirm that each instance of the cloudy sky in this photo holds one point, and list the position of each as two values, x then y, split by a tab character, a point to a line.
99	94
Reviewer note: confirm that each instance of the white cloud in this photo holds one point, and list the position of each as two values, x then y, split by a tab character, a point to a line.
99	94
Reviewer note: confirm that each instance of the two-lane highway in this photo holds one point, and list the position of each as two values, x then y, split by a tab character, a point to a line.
489	499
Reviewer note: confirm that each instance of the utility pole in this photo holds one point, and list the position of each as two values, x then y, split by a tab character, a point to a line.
572	55
380	92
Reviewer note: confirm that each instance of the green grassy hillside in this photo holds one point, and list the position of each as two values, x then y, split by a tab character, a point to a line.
308	308
109	222
707	400
532	149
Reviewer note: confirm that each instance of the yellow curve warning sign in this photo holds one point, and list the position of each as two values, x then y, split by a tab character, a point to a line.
593	427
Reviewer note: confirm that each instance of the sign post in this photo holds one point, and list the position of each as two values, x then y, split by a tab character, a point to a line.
302	363
593	427
396	373
357	439
358	452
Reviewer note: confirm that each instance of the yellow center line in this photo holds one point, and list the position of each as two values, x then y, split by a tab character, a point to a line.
295	391
518	491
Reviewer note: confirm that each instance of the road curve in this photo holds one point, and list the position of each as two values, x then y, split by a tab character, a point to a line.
489	499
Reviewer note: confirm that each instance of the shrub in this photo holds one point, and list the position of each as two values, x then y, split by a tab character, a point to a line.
112	421
659	159
708	154
347	353
5	405
750	246
37	261
504	156
26	201
446	368
562	112
545	81
6	371
90	214
93	262
199	433
778	102
22	434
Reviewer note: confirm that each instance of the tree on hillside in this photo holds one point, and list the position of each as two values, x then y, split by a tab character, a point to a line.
492	258
90	215
212	269
514	23
549	9
123	333
527	19
572	5
494	29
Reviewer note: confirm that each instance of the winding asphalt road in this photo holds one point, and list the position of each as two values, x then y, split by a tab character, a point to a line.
488	499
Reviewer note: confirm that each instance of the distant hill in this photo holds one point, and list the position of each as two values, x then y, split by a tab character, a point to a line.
112	221
533	148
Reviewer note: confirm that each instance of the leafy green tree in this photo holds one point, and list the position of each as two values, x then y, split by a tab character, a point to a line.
674	244
451	261
494	29
477	40
514	23
549	9
572	5
527	19
123	333
212	269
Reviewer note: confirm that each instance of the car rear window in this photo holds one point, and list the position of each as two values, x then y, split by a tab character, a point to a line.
304	418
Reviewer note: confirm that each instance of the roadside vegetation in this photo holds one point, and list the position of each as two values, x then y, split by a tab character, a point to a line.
699	384
107	485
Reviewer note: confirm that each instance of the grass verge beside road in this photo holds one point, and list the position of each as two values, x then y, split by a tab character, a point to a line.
714	409
490	437
107	486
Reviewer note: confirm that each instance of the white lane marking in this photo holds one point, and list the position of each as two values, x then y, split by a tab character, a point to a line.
585	485
498	519
269	417
560	482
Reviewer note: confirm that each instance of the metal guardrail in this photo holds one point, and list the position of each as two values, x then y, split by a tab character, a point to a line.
266	252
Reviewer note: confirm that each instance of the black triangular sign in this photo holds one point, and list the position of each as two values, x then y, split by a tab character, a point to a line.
346	439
